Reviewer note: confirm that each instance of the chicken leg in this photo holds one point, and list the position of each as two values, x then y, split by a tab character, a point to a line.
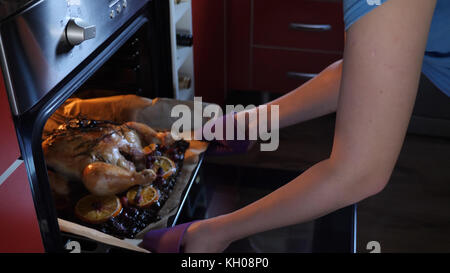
149	135
105	179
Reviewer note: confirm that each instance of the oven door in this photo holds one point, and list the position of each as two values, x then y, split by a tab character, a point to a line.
136	52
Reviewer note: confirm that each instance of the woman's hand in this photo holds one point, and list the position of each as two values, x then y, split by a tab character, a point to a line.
205	237
232	144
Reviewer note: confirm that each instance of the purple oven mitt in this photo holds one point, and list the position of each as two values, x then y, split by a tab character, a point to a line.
166	240
227	147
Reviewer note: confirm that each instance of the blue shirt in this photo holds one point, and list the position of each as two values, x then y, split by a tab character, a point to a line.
436	63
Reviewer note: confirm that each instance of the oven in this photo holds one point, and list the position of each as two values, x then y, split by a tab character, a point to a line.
53	49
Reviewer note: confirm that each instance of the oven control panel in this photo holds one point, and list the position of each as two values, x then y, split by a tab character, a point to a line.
43	44
116	7
78	31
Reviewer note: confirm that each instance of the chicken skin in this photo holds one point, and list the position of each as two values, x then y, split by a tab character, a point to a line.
107	158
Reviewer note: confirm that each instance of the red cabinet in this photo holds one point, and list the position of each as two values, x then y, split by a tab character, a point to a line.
270	45
208	20
19	230
8	139
280	71
239	41
300	24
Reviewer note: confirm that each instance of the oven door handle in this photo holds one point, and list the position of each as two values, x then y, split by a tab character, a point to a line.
310	27
299	75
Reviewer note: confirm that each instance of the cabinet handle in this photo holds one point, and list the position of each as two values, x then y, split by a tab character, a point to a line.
298	75
310	27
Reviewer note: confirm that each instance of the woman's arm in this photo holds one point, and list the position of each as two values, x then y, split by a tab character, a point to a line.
315	98
381	69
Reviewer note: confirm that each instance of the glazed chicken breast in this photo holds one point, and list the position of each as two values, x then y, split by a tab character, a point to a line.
107	158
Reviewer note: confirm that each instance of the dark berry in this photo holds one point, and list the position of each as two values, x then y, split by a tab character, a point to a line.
160	171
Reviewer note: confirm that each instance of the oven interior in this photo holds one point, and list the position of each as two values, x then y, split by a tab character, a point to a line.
128	71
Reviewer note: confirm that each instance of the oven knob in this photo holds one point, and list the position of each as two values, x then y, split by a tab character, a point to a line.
77	31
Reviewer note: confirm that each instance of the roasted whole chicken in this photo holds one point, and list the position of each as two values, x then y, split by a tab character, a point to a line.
108	158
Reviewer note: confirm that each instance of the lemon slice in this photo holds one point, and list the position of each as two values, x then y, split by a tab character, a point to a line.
147	196
98	209
168	166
